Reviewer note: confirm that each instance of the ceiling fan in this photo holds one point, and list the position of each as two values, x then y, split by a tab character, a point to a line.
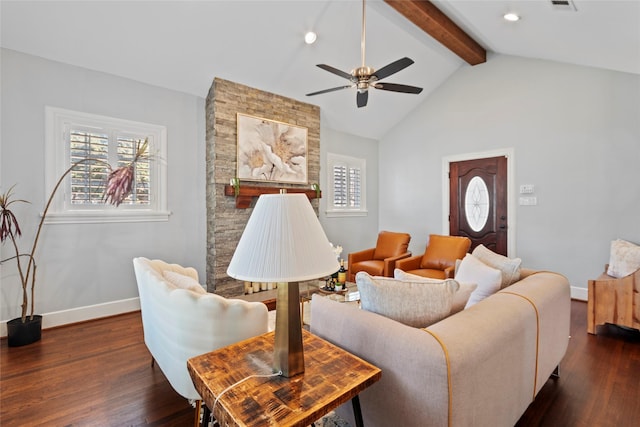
365	77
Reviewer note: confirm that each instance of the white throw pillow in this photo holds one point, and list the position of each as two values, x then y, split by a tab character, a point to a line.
459	299
510	267
624	258
416	304
472	270
184	282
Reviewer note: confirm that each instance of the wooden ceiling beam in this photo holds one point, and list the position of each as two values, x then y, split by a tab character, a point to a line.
431	20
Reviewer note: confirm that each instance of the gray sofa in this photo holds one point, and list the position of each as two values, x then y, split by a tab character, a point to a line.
482	366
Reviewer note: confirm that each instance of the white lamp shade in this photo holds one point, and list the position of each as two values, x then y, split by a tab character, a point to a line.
283	242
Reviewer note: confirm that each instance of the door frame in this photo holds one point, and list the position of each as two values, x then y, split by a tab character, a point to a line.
509	153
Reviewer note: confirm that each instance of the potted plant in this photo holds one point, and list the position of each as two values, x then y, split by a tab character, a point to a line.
26	329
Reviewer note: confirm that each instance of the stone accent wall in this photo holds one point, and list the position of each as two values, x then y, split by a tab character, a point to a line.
225	222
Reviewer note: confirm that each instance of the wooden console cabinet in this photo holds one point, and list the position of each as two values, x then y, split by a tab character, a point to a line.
615	301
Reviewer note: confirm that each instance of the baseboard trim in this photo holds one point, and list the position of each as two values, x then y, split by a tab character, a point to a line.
580	294
82	314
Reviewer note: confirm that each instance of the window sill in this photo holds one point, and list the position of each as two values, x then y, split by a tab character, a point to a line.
338	213
92	217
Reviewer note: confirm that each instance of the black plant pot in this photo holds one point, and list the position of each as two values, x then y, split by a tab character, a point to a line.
19	333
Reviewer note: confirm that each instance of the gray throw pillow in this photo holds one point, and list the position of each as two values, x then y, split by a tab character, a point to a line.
459	299
416	304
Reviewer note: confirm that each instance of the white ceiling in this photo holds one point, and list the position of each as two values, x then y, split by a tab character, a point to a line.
183	45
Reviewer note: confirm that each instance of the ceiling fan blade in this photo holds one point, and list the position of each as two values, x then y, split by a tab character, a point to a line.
333	70
393	68
329	90
393	87
361	98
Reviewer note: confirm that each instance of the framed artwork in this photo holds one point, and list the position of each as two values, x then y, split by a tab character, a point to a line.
271	151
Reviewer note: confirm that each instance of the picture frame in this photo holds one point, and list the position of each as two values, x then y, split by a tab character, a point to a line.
271	151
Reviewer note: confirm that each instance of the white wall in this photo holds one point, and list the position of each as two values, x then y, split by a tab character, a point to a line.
352	233
86	264
575	132
85	270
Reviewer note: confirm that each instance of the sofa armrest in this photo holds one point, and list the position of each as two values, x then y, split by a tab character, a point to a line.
362	255
450	272
390	263
550	293
409	263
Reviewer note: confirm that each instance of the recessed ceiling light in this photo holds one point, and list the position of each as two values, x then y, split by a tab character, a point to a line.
511	17
310	37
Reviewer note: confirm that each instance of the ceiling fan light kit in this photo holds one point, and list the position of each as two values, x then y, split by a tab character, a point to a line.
364	77
511	17
310	37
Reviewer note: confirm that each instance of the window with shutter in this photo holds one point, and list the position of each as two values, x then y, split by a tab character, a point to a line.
74	136
346	185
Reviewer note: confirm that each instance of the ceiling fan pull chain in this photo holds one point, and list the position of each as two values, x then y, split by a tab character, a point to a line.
364	33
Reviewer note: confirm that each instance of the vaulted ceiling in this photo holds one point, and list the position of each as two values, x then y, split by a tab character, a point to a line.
182	45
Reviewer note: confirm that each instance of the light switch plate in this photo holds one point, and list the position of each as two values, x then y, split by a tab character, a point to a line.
527	188
528	201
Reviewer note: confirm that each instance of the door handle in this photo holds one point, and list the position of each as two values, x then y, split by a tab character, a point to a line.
502	227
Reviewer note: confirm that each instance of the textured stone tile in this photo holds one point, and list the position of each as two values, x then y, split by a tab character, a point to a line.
225	223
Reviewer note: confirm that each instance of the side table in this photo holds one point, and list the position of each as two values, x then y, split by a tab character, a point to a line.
332	376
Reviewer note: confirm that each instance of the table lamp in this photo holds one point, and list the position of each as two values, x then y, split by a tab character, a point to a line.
284	242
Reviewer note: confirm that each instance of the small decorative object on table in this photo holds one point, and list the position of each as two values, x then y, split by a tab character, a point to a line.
330	284
342	275
337	249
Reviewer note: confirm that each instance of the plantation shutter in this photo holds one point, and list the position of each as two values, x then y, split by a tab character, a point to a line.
87	179
354	187
347	185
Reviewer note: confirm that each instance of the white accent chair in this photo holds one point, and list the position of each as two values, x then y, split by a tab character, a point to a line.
179	324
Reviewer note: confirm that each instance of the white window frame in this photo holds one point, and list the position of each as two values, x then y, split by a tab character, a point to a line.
58	122
351	162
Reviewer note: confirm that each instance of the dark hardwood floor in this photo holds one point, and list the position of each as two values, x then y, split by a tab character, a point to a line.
98	374
599	384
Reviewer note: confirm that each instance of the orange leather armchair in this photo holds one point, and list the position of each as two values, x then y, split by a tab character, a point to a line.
439	258
381	260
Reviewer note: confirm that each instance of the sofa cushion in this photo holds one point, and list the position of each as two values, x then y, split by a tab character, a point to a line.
428	273
416	304
472	270
442	251
624	258
372	266
510	267
459	299
183	282
391	244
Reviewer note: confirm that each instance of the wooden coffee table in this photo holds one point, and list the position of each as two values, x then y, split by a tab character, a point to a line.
332	377
268	298
342	295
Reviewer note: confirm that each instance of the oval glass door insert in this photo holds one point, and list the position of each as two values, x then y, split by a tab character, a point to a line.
476	203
